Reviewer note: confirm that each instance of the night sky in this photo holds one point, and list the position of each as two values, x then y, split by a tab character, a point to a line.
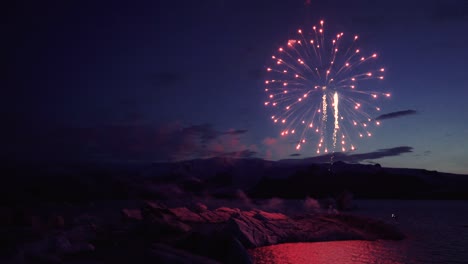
172	80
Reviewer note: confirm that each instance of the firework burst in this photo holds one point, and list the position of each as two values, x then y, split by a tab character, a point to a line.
323	89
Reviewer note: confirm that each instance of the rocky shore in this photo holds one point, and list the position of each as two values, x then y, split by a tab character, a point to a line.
155	233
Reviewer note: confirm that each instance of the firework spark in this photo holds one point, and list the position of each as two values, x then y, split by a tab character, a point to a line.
315	75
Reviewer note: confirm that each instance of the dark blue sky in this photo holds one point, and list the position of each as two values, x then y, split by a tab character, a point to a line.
158	80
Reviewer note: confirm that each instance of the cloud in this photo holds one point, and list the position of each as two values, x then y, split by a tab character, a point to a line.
360	157
205	132
381	153
276	148
140	141
235	132
423	154
203	141
295	155
396	114
246	153
270	141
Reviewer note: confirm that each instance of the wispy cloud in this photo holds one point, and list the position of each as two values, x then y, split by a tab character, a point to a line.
361	157
235	132
246	153
140	141
378	154
396	114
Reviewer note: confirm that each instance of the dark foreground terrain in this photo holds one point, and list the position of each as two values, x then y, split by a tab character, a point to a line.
151	232
199	211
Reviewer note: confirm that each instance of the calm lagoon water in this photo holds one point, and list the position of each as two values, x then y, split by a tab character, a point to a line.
437	232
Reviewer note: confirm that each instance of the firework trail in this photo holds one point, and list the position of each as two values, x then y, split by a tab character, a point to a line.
316	75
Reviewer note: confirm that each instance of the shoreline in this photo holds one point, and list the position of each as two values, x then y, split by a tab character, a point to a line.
191	233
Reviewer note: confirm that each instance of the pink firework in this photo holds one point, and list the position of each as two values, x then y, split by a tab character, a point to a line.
323	90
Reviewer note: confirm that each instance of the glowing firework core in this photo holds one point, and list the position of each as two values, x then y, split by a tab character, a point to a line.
335	106
312	73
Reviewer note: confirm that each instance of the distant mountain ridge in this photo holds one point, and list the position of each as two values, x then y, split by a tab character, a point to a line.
224	177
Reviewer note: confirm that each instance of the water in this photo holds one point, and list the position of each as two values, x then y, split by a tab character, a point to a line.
437	232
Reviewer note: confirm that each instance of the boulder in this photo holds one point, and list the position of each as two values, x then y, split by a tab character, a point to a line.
252	232
199	208
159	219
184	214
219	215
271	216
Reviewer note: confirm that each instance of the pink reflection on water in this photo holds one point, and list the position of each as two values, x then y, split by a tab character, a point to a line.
328	252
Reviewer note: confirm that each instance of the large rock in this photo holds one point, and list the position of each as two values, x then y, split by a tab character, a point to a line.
219	215
224	233
259	228
184	214
161	220
199	208
264	229
252	232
